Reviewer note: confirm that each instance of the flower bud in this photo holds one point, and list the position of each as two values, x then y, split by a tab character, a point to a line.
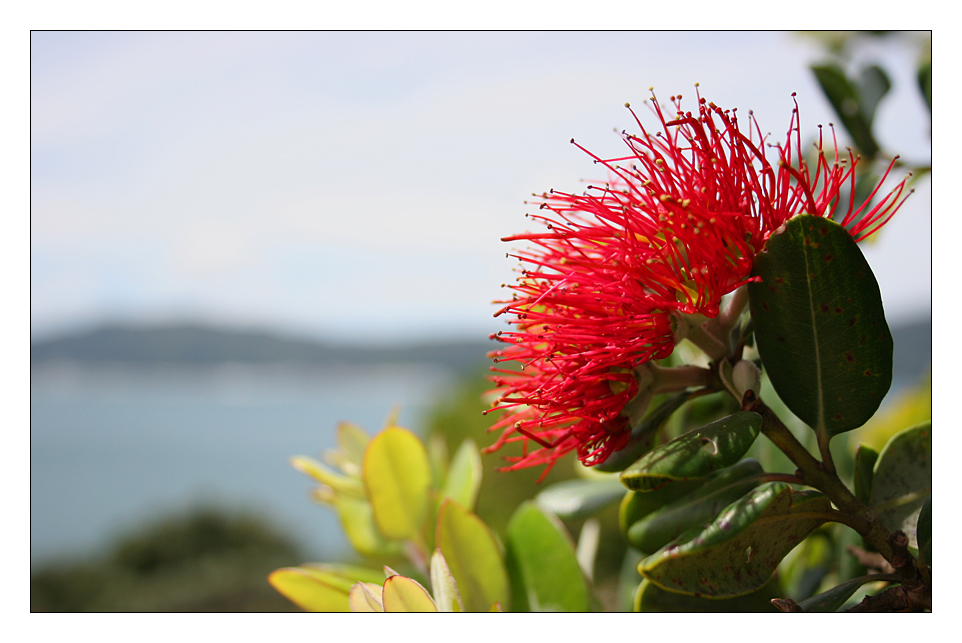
746	377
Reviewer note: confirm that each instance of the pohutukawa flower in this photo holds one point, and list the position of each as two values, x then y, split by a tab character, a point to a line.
675	227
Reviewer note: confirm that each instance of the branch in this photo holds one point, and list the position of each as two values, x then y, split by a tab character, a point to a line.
815	475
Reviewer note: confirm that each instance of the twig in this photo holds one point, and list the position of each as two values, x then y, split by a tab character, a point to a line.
815	475
786	605
871	559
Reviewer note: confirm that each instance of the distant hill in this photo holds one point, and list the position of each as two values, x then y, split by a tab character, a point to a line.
200	345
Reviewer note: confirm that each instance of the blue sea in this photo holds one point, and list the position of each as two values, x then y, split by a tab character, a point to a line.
115	446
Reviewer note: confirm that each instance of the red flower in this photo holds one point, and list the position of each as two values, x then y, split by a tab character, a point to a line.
670	232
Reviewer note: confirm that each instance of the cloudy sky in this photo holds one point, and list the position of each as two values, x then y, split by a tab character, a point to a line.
354	186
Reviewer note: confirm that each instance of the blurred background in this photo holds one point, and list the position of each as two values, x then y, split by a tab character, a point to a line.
240	239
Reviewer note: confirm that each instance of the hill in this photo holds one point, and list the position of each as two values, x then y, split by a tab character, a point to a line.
201	345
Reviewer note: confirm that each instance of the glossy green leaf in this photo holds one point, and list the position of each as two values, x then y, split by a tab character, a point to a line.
923	532
845	98
473	557
738	552
819	325
544	571
357	518
365	597
648	597
402	594
695	454
903	479
865	459
651	533
312	590
578	498
643	435
638	504
831	600
397	476
464	475
445	588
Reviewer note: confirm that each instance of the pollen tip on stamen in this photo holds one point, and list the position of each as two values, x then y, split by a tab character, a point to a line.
572	140
627	104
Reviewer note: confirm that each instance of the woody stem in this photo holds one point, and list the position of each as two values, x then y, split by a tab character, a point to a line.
812	471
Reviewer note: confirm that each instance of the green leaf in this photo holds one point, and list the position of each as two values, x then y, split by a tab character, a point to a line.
397	475
544	571
402	594
739	551
865	459
831	600
473	557
873	85
695	454
638	504
923	532
578	498
312	590
819	325
924	78
643	435
464	476
845	99
656	530
649	597
446	593
903	479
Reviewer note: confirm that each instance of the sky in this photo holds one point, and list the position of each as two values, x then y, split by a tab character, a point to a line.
353	186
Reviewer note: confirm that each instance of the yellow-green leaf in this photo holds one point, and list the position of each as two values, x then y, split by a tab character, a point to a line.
446	593
352	440
473	556
365	597
311	590
350	573
337	482
402	594
357	518
464	476
397	475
